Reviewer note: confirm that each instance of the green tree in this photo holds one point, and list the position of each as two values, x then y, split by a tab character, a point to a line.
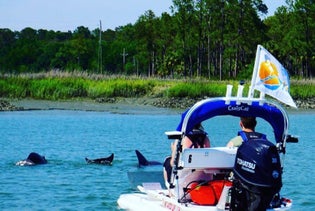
200	38
291	32
7	40
146	35
166	46
244	29
304	16
24	53
184	14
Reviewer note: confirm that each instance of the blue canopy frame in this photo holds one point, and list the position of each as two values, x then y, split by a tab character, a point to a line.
274	114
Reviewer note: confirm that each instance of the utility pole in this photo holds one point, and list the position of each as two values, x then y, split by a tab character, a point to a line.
124	54
100	63
135	64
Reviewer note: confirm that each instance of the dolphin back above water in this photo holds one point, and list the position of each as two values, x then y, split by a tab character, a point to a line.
32	159
105	161
142	161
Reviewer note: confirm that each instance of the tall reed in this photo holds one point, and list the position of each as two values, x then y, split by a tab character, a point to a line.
56	86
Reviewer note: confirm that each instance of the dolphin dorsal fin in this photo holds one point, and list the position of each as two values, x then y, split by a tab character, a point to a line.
142	161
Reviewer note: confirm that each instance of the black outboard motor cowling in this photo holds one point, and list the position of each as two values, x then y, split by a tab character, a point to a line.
258	176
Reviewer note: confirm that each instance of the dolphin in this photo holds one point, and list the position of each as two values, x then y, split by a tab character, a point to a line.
142	161
32	159
105	161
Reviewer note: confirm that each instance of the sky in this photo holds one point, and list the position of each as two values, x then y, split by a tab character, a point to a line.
67	15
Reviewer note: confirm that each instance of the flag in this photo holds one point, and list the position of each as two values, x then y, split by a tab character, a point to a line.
270	77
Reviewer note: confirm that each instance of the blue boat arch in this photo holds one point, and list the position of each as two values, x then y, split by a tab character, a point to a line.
209	108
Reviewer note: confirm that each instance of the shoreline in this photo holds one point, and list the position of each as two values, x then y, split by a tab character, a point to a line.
119	105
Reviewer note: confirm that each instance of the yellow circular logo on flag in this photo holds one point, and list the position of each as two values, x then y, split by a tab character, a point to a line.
269	75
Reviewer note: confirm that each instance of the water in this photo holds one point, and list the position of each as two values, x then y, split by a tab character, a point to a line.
67	137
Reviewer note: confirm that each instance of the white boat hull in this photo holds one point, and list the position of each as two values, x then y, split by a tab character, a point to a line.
140	201
158	200
152	197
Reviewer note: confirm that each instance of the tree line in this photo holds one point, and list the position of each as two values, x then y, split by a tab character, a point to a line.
215	39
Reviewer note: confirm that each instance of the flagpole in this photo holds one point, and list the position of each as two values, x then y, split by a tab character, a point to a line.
255	72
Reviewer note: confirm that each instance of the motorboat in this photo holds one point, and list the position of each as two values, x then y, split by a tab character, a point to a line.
227	178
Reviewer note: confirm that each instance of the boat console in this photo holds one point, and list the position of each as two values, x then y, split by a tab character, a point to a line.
208	158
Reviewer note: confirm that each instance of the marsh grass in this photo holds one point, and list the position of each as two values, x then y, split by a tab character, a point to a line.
302	89
195	89
56	85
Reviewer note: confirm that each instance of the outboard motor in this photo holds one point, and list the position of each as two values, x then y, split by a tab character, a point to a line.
258	176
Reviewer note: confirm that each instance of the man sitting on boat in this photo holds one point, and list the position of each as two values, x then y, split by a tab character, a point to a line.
248	125
197	138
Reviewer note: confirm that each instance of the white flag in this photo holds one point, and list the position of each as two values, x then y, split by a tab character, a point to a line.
271	77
